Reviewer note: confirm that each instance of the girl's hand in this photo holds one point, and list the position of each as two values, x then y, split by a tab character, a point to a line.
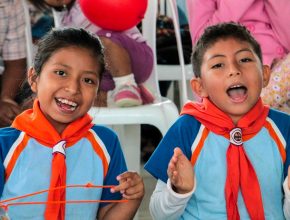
180	172
130	185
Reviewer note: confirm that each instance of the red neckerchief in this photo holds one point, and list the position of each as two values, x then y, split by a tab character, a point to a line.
34	124
240	172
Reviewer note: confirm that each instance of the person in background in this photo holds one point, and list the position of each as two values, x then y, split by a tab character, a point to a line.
227	156
267	20
129	59
41	21
166	45
55	144
13	55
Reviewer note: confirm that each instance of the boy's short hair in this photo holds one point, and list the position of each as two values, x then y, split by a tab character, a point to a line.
221	31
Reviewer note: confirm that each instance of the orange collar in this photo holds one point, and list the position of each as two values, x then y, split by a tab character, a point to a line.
34	123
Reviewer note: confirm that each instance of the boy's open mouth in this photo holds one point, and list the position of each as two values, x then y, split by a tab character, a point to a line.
237	93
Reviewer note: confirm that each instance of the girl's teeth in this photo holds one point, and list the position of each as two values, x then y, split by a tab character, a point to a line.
65	101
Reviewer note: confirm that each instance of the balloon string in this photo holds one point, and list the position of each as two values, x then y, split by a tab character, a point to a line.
88	185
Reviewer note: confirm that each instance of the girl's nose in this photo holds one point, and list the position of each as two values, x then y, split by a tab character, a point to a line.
72	87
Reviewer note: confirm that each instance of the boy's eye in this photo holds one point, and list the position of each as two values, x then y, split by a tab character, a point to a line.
245	60
60	72
216	66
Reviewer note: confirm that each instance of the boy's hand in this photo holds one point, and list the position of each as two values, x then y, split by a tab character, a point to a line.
130	185
180	172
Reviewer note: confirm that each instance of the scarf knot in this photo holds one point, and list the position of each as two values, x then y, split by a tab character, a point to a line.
236	136
59	147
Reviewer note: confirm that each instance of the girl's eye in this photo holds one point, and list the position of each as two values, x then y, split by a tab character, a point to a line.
89	81
245	60
60	72
216	66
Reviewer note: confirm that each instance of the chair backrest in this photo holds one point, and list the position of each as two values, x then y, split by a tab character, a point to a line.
174	10
149	32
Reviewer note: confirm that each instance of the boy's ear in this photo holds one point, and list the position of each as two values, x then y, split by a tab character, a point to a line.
197	87
32	76
266	75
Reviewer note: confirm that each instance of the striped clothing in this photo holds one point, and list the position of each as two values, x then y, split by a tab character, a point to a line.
97	158
207	152
12	30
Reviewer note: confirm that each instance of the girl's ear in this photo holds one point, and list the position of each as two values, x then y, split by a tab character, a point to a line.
197	87
32	76
266	75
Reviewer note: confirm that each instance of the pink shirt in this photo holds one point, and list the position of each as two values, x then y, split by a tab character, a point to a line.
267	20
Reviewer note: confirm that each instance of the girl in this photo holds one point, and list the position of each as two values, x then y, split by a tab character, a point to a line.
129	59
55	143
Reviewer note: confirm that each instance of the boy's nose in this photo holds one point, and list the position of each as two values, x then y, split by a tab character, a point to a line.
234	70
234	73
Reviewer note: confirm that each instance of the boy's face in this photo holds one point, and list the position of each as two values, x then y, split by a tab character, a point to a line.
232	77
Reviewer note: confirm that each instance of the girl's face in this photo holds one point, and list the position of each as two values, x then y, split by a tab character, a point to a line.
67	85
57	3
232	77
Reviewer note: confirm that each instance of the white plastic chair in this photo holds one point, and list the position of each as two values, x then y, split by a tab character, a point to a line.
182	72
126	121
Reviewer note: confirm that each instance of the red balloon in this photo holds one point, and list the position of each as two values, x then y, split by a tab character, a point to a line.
117	15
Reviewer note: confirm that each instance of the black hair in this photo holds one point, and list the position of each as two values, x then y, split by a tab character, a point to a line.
221	31
57	39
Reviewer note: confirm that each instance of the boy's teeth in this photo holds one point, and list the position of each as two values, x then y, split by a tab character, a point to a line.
235	86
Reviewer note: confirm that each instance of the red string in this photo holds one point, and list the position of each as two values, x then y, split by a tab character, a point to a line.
88	185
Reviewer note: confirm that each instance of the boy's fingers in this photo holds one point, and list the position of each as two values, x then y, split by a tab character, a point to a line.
177	152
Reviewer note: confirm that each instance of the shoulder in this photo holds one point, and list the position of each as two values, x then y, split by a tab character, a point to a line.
8	136
188	120
104	132
279	116
106	137
186	123
281	120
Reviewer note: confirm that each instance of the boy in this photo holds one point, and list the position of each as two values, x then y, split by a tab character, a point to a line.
224	158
